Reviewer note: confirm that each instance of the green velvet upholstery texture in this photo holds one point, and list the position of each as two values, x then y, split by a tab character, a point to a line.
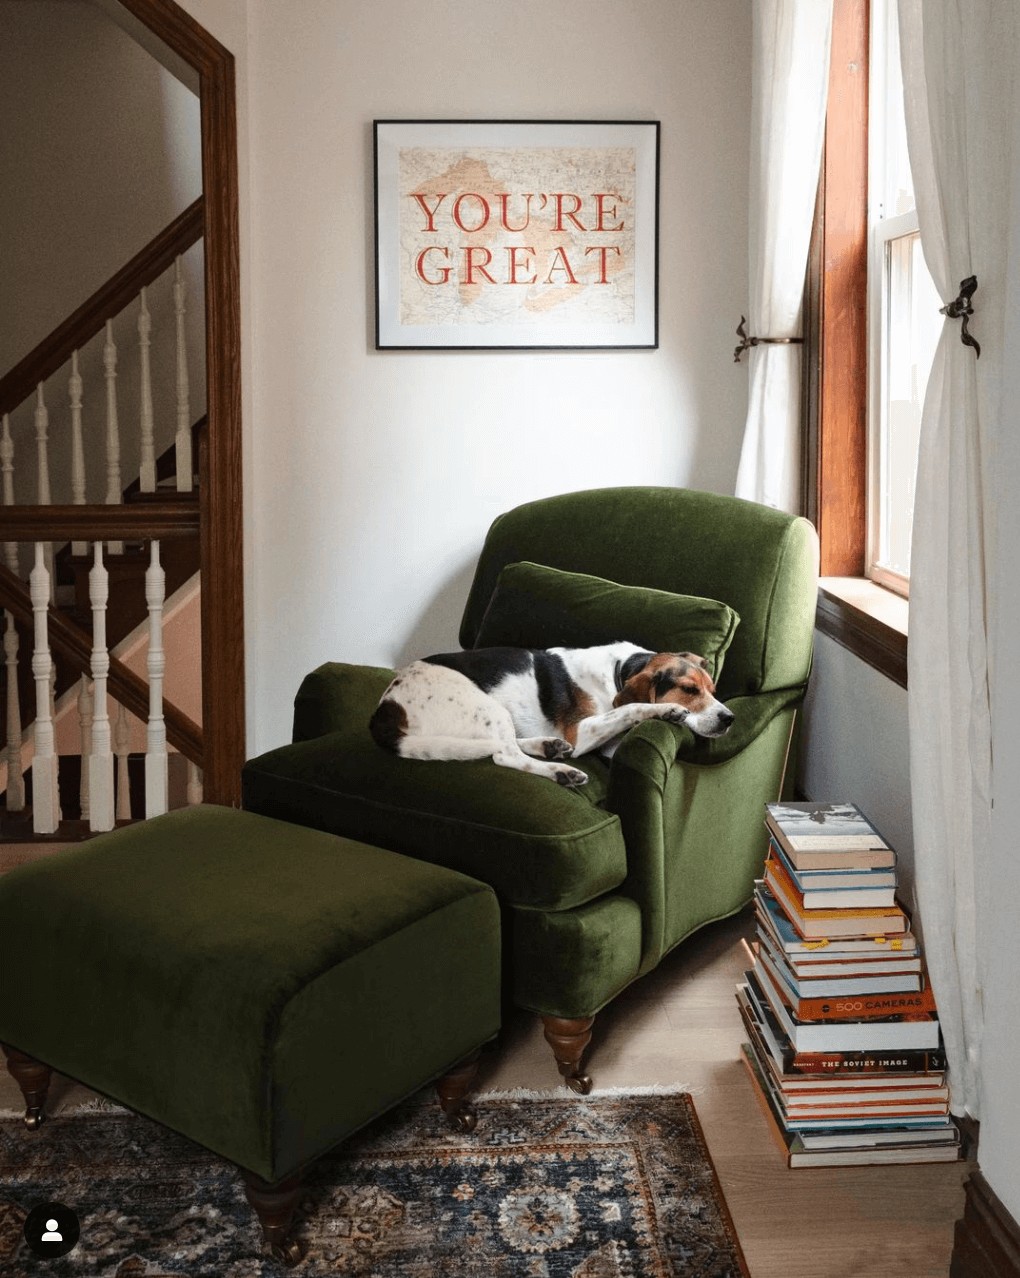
534	606
263	988
679	819
540	846
760	562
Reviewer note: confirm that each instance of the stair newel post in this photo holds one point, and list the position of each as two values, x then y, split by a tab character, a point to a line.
114	491
155	742
101	764
7	472
42	448
182	440
74	387
121	751
45	806
147	468
85	729
12	751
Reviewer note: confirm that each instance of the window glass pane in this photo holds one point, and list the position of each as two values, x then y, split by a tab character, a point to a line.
912	328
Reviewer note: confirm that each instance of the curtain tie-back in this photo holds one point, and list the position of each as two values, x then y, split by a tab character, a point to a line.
961	309
746	341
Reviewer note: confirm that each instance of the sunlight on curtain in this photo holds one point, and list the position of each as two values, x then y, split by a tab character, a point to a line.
957	87
789	87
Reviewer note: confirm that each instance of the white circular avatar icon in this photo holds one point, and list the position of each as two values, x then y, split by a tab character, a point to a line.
51	1234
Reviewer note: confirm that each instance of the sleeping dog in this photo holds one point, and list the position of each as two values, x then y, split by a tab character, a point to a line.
529	708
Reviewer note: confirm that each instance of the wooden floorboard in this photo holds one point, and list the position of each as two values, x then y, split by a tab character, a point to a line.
680	1025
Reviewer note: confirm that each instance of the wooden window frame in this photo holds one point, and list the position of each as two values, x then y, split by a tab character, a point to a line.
852	610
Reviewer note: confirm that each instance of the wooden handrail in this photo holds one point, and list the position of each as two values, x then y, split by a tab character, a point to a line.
124	686
147	521
108	301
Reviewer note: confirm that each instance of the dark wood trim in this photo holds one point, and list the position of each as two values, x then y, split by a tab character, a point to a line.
75	645
158	520
872	640
840	472
223	693
987	1239
108	301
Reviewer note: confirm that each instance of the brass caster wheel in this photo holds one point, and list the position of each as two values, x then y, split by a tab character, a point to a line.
580	1083
289	1253
33	1119
465	1120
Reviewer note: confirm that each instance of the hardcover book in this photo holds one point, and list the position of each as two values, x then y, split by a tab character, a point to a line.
828	923
827	835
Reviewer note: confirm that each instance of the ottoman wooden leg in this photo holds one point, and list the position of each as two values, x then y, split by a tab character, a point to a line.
568	1039
274	1205
33	1077
452	1089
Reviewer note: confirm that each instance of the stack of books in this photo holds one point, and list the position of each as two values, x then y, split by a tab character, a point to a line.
843	1048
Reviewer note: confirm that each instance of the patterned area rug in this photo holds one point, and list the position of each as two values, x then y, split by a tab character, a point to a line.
547	1186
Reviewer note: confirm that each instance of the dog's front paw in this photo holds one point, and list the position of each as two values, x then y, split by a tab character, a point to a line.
675	714
557	748
571	776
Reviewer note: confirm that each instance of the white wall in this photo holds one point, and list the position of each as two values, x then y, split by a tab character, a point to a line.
374	475
856	746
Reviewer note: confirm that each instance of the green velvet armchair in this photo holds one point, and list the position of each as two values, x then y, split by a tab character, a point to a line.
596	883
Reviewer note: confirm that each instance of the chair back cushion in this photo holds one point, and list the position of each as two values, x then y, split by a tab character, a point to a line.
538	607
761	562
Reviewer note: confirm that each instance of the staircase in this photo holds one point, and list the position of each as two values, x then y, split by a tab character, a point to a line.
80	579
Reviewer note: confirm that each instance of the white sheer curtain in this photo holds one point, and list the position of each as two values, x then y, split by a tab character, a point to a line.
789	86
957	76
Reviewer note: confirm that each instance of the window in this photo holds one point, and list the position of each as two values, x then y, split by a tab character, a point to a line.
903	315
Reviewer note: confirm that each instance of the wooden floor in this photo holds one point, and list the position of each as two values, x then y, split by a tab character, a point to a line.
680	1025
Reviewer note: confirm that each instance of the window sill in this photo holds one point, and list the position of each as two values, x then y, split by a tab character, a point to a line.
868	620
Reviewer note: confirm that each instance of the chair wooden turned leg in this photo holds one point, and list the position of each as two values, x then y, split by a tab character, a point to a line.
453	1087
274	1205
33	1077
568	1039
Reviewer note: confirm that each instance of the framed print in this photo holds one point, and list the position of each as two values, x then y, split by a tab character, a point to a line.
509	233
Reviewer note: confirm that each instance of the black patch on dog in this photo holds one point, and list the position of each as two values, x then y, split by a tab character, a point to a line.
485	666
633	665
556	689
388	724
663	681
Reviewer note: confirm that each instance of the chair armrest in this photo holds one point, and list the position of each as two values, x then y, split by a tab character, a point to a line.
651	748
337	696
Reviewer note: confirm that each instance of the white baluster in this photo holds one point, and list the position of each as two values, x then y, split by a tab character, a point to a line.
101	765
45	806
7	471
42	425
122	749
85	728
194	790
182	440
155	739
74	387
12	752
114	490
147	468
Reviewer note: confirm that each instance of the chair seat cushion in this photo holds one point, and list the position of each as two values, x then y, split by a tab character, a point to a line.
538	844
263	988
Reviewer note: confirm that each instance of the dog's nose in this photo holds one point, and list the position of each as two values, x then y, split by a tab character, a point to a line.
726	716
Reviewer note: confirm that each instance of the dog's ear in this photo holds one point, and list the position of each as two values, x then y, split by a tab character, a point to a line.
627	690
694	659
637	688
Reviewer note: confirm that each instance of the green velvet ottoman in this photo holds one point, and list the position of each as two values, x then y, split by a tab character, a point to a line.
261	987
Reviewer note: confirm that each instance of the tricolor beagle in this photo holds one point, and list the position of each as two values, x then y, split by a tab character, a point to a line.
528	708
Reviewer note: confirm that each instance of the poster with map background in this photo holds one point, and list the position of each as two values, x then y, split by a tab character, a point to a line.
513	234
